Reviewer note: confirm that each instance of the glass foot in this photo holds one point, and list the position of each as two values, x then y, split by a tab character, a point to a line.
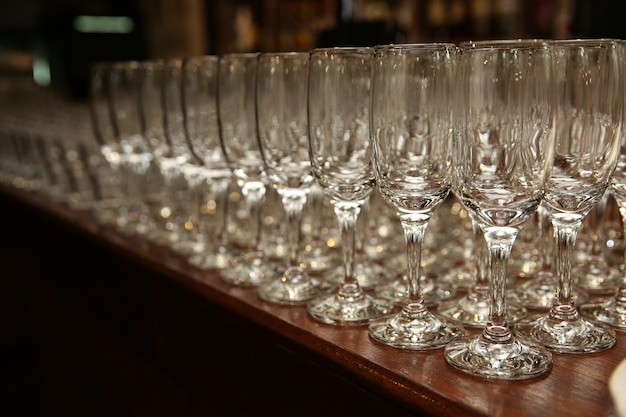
248	270
510	359
564	330
597	277
217	258
369	274
539	293
348	306
462	276
473	309
414	328
319	256
293	287
433	292
611	311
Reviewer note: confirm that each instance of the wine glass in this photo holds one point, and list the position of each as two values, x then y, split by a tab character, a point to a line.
135	156
104	136
504	164
184	172
165	171
538	291
588	113
412	157
340	152
281	106
238	135
592	273
199	91
612	310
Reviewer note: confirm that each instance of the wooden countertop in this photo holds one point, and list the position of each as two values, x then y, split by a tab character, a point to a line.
156	334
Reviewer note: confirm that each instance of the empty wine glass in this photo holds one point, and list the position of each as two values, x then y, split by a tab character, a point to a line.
340	152
539	290
281	94
125	78
588	113
185	174
592	272
199	91
412	156
104	136
506	153
165	174
238	135
612	311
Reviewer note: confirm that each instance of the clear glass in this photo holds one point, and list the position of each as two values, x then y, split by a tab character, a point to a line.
319	227
199	90
281	94
612	310
183	171
135	156
592	272
503	166
473	308
107	145
340	152
164	176
412	157
238	135
538	292
588	113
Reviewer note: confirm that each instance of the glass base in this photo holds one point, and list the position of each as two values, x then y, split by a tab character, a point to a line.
187	247
293	287
216	258
462	276
348	306
414	328
597	277
433	292
369	274
473	309
248	270
539	293
564	330
319	257
611	311
511	359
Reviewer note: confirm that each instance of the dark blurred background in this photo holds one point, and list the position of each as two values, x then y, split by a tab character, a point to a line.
56	41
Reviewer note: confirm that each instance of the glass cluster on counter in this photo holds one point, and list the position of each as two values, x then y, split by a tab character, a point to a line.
416	190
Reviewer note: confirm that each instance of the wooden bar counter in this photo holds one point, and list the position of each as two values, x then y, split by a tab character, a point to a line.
99	324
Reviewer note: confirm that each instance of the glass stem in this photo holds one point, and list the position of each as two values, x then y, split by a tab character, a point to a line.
294	204
565	234
414	236
546	249
620	297
220	188
596	217
499	241
254	193
317	212
482	257
347	215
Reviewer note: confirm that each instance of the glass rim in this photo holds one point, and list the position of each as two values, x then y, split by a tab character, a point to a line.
520	43
343	49
208	57
586	42
240	55
284	53
416	45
